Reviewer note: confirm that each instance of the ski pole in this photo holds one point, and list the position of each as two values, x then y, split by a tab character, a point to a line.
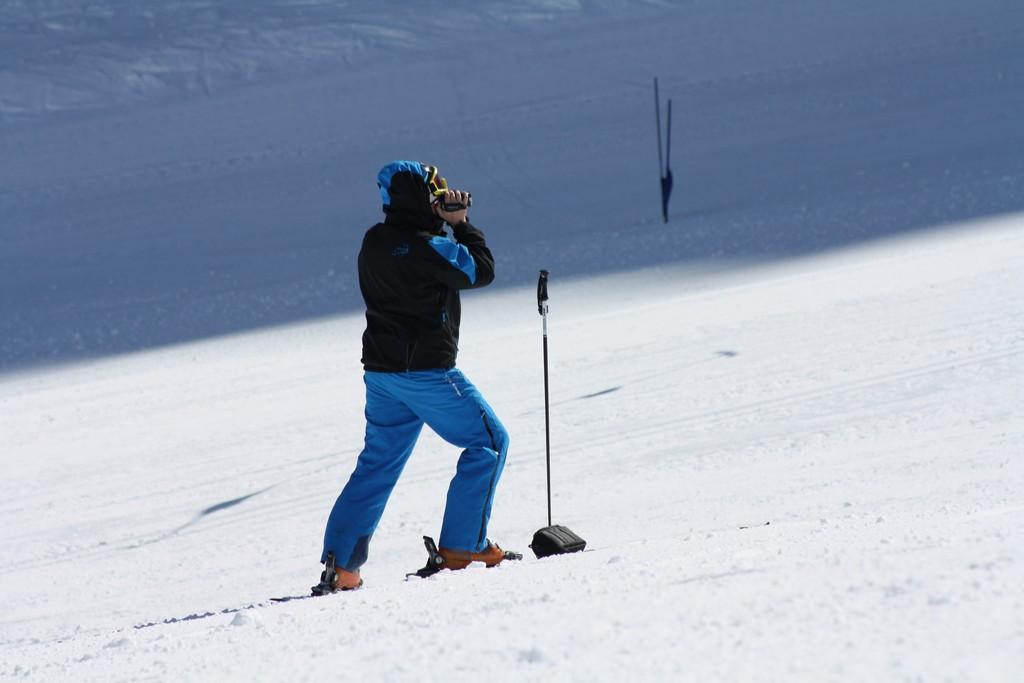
542	307
552	539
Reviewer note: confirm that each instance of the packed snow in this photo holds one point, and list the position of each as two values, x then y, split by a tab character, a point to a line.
787	422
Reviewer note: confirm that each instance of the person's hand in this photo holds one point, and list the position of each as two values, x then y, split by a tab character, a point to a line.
452	218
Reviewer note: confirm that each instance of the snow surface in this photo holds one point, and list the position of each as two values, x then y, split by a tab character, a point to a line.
787	422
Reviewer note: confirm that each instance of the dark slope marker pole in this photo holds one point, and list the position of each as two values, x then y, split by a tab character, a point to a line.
553	539
664	166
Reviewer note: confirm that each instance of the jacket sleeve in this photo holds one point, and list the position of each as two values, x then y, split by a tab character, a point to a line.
464	262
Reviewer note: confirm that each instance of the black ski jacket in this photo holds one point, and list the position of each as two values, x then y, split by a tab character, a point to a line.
410	277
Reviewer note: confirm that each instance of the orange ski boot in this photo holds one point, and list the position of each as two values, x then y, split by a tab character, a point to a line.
446	558
460	559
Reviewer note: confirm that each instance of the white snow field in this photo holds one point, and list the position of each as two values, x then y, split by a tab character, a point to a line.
787	422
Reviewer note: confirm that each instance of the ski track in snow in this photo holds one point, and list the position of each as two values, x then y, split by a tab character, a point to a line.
788	422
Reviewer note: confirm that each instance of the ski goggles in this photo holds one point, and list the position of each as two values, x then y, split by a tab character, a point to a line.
436	185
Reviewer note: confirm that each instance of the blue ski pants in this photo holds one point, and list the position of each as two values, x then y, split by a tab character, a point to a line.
398	404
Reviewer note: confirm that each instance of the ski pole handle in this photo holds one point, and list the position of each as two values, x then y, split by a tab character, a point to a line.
542	292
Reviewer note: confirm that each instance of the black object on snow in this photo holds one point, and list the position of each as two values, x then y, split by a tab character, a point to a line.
556	540
666	174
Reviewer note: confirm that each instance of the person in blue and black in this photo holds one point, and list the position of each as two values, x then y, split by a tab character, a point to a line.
410	275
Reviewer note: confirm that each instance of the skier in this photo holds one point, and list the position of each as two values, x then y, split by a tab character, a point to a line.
410	274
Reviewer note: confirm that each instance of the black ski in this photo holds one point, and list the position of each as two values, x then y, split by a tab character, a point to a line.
289	598
227	610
